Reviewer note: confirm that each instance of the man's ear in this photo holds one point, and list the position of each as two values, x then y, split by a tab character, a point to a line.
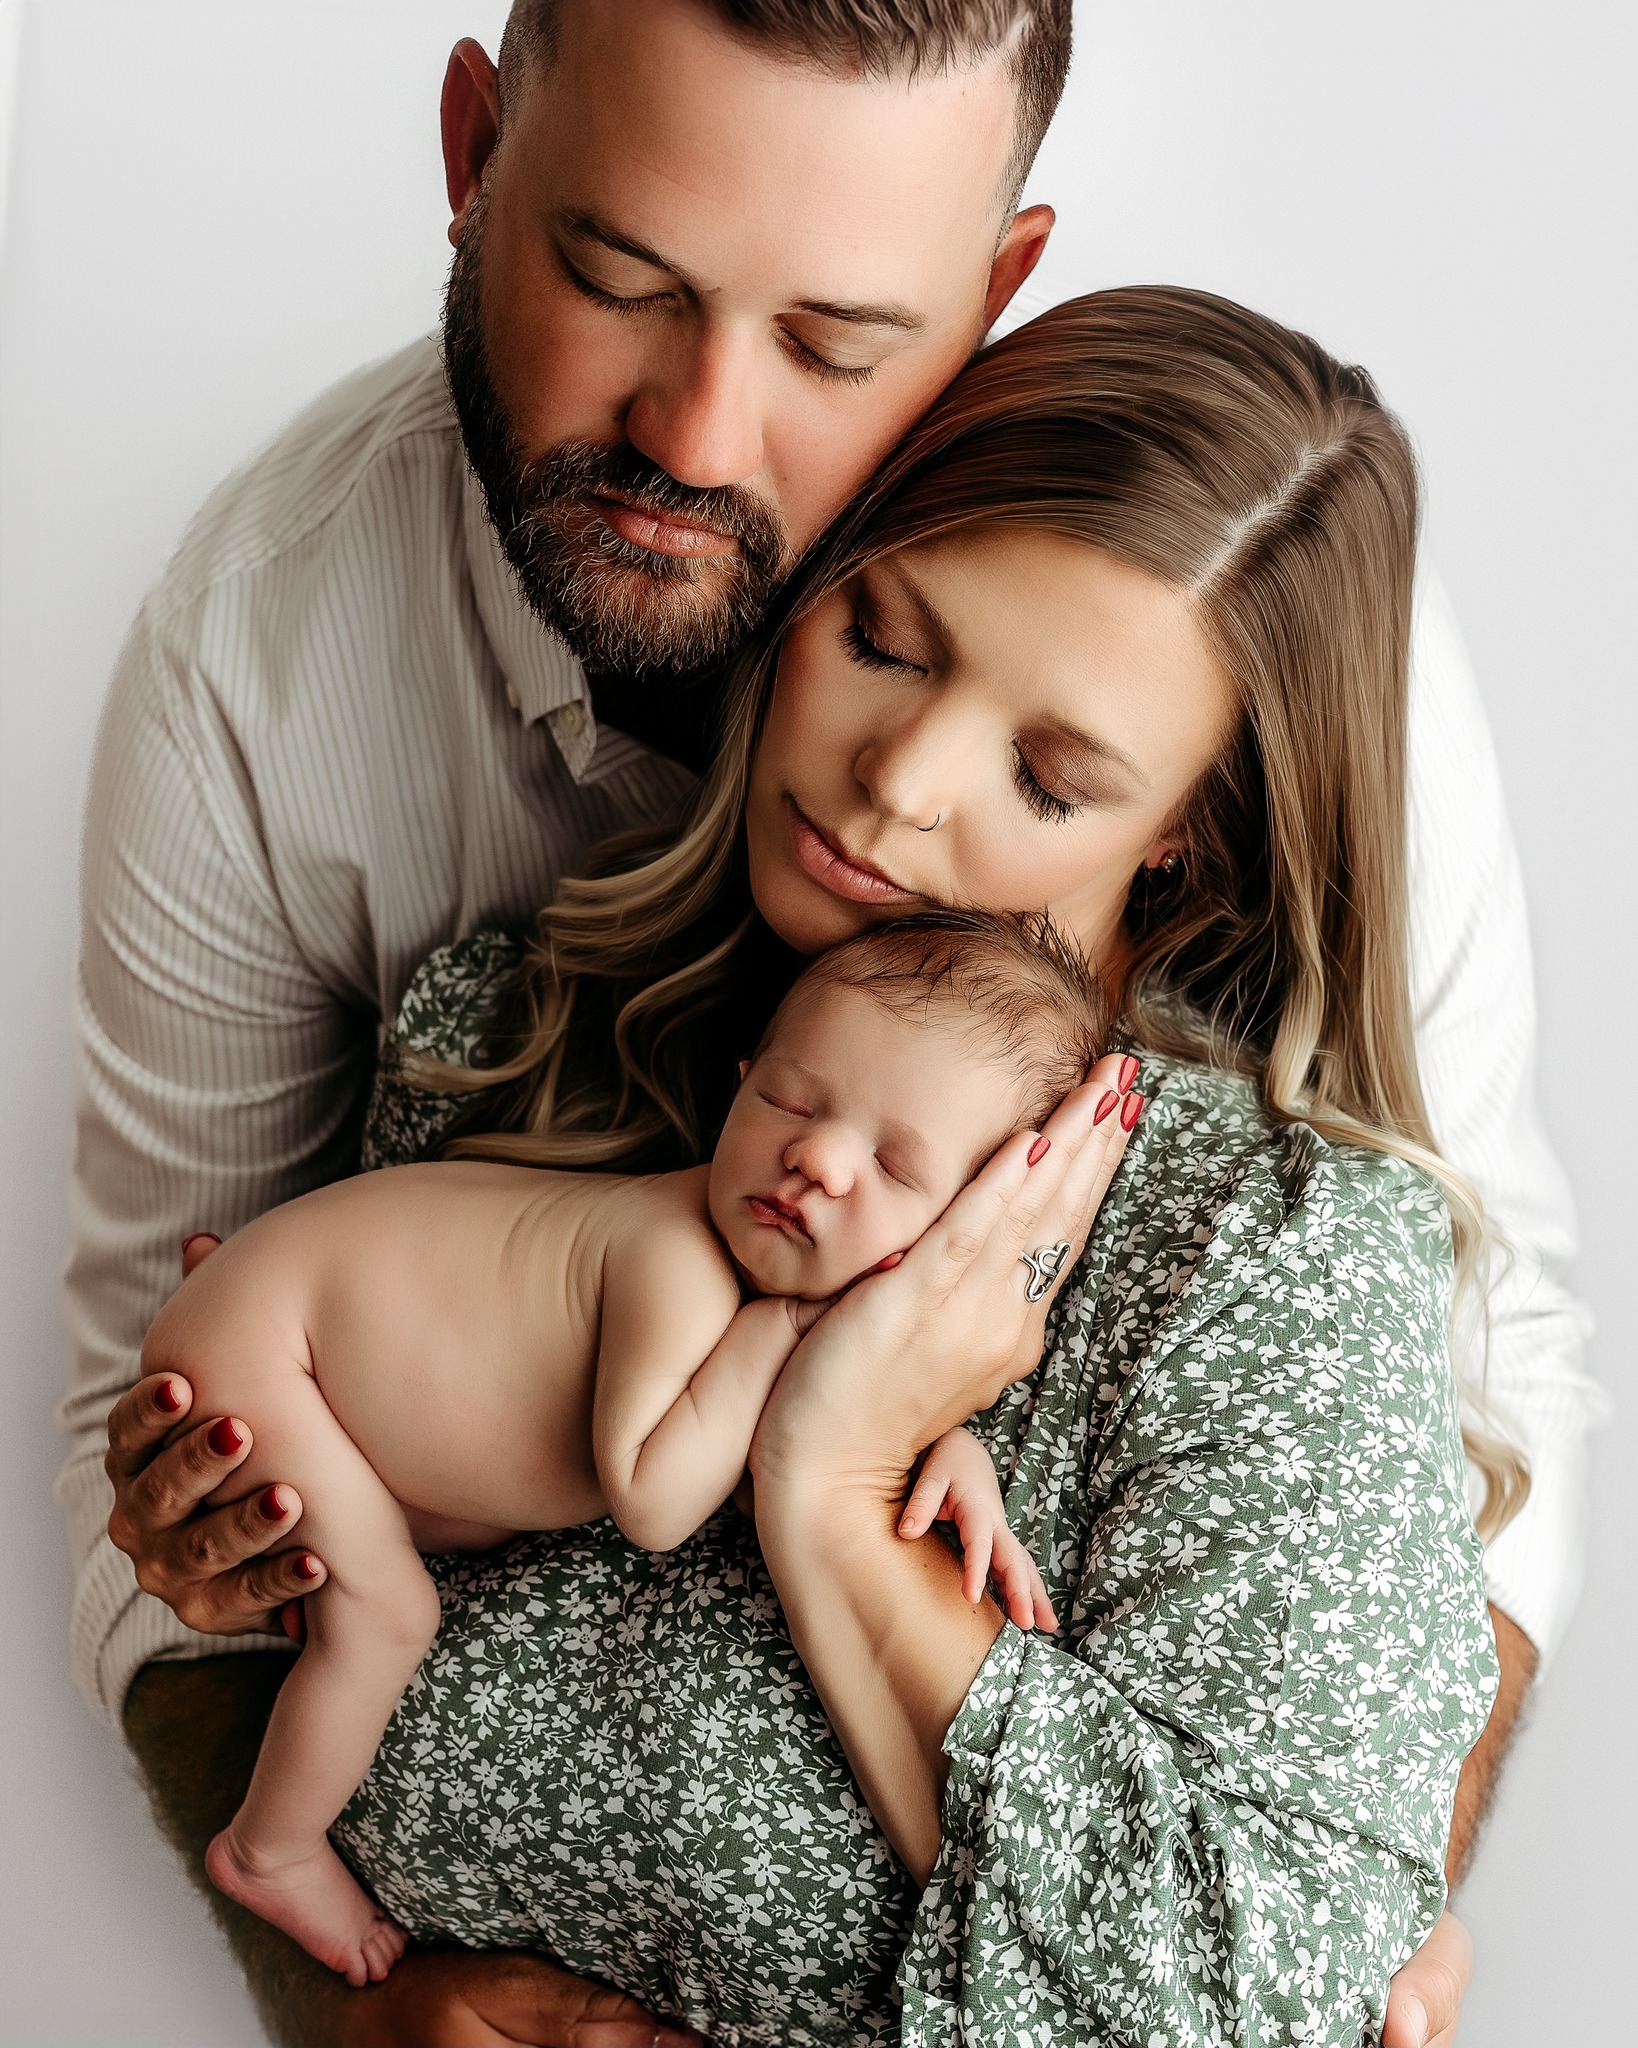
469	117
1020	250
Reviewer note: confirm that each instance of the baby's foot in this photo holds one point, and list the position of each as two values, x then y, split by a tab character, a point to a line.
317	1901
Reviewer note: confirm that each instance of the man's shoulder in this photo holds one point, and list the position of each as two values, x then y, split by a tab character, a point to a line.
305	485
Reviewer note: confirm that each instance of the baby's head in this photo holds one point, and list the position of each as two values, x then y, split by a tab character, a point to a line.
896	1066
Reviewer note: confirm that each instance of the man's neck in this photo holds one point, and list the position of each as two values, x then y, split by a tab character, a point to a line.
675	714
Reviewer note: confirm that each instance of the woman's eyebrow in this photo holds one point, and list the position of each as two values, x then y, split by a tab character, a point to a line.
1104	752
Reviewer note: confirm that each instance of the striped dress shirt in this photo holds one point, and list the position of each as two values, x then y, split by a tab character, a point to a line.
337	739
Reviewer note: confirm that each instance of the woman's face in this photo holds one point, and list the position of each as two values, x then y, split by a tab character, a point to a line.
1003	721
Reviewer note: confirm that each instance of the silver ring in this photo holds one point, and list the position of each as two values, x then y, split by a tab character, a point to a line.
932	827
1044	1268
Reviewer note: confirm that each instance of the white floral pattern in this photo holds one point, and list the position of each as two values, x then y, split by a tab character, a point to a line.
1212	1810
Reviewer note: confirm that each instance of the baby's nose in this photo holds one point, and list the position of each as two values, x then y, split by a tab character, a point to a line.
824	1157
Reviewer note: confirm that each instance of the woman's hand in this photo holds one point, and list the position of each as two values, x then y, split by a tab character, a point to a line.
907	1354
445	1998
210	1567
889	1639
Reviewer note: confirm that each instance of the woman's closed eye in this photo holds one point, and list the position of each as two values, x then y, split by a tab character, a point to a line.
871	653
1044	802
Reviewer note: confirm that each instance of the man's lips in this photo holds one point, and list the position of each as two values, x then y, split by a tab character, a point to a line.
842	873
662	533
778	1215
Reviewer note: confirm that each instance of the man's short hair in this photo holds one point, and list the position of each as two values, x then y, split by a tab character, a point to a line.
871	39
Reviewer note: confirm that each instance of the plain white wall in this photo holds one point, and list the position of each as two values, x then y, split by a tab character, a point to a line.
215	206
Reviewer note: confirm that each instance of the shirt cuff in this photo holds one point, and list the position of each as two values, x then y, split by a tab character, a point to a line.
116	1628
1534	1569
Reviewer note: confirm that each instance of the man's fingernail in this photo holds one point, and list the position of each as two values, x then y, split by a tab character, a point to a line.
271	1504
308	1567
1415	2015
225	1438
1130	1068
167	1398
1130	1110
1038	1151
1105	1105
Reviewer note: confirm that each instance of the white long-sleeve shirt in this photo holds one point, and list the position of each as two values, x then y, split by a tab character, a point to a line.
337	738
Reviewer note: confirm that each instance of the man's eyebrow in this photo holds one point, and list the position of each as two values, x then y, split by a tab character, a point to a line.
885	315
589	227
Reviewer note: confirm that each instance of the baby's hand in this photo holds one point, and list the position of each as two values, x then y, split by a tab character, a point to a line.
958	1484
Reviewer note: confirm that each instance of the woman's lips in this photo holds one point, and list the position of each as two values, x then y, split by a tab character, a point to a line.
777	1215
841	873
662	533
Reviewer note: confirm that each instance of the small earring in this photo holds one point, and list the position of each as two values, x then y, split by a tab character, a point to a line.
932	827
1170	863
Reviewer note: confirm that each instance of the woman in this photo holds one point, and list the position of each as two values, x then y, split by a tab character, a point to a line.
1120	633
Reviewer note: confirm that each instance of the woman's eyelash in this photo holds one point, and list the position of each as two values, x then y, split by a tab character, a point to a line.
869	654
1054	809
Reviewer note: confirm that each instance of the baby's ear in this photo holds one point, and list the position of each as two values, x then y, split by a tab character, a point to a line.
744	1068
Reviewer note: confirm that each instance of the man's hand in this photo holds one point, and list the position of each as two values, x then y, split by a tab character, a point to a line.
218	1570
1425	1997
441	1998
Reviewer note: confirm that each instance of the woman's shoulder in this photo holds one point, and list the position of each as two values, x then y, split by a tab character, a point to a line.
1230	1218
446	1013
1206	1133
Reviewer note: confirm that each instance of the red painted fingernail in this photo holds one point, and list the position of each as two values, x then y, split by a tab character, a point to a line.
886	1265
1105	1106
1129	1071
166	1398
1130	1110
308	1567
271	1505
1038	1151
225	1438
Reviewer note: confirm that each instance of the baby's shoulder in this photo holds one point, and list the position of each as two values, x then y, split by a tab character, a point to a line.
661	1240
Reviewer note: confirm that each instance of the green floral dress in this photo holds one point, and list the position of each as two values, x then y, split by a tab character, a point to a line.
1212	1810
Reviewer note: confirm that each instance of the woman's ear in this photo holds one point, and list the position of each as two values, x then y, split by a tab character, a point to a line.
744	1068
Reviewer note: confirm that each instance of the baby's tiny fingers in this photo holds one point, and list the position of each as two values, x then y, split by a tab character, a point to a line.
921	1510
976	1567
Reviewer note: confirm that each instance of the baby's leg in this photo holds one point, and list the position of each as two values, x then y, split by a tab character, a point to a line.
368	1627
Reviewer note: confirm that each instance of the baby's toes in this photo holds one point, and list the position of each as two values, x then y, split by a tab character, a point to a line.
385	1942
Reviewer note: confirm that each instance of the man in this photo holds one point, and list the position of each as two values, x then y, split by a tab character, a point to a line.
712	258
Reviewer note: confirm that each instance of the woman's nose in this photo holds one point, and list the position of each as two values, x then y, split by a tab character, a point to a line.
911	773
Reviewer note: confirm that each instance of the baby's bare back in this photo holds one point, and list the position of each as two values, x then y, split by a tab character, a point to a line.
450	1315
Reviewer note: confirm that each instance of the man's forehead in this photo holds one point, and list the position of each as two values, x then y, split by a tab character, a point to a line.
656	117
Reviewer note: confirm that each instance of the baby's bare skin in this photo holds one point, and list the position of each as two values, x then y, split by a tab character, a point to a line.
440	1356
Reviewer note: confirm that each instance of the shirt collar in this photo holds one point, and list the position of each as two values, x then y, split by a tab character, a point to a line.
543	679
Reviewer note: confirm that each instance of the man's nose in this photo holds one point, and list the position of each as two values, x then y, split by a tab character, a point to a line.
698	412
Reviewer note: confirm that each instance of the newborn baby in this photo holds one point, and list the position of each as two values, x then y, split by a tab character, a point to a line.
444	1355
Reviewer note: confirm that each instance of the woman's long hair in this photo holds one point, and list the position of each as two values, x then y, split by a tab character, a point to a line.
1237	462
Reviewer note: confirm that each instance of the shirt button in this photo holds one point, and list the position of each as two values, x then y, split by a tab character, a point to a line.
572	718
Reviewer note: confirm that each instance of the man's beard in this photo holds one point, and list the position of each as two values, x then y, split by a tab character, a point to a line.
620	608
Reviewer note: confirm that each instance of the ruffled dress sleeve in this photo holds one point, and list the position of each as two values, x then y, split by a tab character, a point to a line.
1215	1809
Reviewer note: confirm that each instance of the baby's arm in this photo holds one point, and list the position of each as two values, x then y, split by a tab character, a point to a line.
958	1484
683	1372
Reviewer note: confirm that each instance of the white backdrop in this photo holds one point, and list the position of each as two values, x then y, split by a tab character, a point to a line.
216	206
